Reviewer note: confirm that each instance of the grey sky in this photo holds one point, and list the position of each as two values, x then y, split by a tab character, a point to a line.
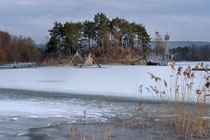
182	19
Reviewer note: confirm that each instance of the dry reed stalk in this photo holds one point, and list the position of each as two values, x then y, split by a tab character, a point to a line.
179	97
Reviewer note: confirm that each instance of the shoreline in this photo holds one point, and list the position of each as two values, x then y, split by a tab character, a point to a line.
150	128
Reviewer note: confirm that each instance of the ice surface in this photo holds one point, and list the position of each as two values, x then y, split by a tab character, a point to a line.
120	81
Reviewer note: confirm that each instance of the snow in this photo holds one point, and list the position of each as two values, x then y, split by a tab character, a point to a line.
120	81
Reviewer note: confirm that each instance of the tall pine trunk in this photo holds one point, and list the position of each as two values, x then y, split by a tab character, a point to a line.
89	43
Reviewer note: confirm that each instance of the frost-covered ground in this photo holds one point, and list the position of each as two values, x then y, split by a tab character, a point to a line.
120	81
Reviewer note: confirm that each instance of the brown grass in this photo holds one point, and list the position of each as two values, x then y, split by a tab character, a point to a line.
110	55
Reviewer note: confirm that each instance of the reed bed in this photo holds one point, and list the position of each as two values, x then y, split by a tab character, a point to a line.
187	100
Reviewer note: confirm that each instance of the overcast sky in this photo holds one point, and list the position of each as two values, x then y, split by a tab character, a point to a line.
182	19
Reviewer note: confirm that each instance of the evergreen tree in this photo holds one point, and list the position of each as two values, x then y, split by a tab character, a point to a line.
55	43
115	31
89	31
102	28
72	32
65	39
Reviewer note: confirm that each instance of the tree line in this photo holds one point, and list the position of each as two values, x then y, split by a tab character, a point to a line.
17	49
192	53
101	33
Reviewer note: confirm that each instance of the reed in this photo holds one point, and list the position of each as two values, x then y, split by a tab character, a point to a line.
186	99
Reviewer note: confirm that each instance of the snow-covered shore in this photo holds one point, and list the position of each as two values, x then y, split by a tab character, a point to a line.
120	81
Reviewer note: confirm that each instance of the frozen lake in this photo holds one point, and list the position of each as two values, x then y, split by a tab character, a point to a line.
41	97
119	81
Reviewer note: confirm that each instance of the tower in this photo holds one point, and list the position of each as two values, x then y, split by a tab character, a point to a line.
158	37
167	43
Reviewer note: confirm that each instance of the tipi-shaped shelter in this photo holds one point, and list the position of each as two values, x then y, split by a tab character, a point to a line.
88	61
76	55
